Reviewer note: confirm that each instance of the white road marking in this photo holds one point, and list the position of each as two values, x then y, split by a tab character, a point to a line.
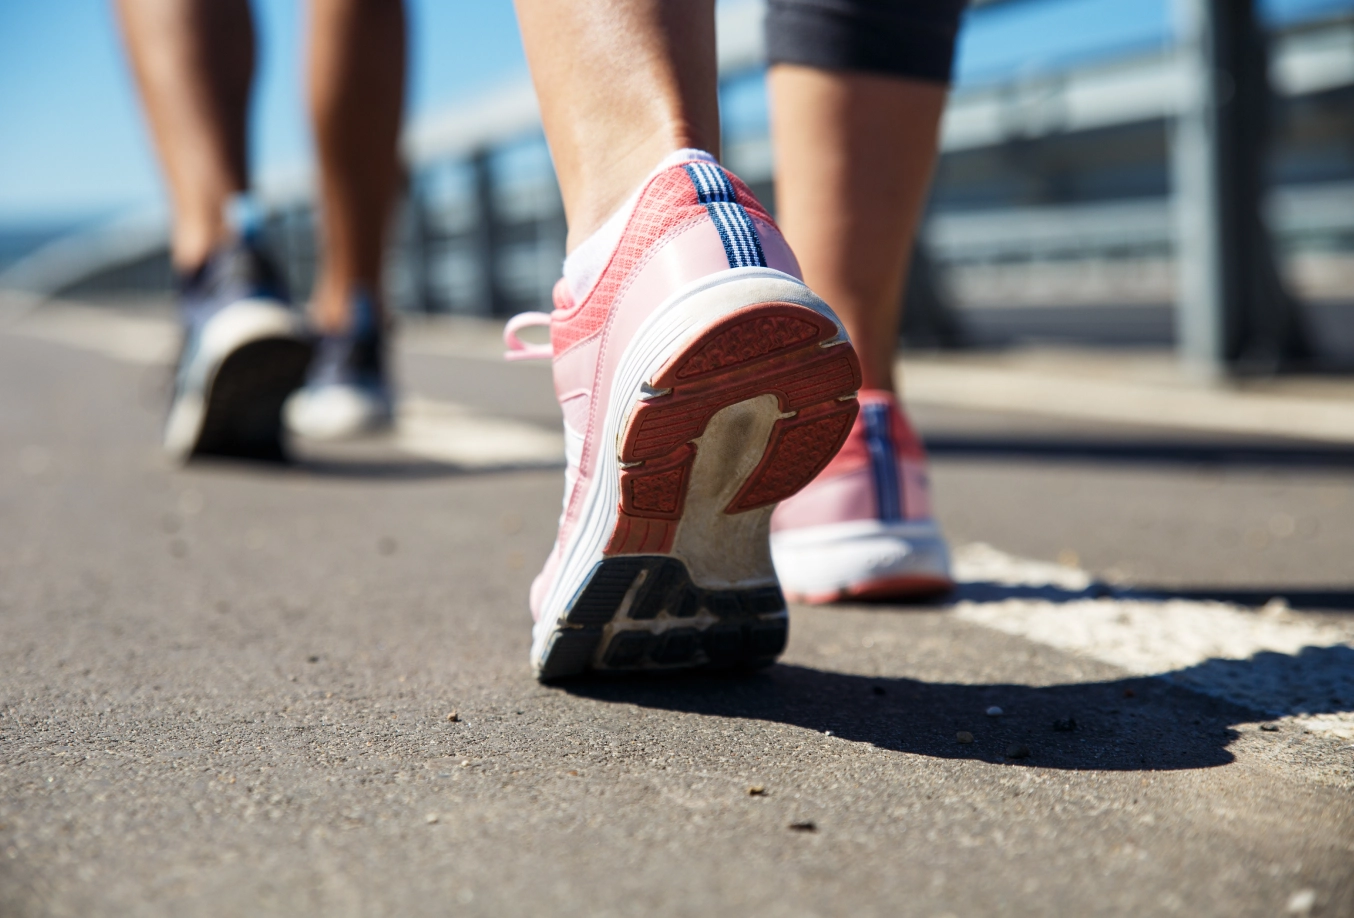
1272	660
457	435
145	340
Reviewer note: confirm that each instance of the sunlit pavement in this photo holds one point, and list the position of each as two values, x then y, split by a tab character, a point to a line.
228	689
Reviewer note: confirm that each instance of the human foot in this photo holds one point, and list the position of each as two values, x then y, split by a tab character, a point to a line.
863	529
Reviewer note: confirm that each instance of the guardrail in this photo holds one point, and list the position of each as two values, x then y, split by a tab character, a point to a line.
482	230
478	236
1127	228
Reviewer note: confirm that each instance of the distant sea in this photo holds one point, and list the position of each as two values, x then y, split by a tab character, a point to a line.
21	238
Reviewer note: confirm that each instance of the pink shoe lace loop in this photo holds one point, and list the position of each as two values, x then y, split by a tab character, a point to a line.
524	350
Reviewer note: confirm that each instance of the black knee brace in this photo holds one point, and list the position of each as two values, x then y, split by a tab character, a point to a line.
904	38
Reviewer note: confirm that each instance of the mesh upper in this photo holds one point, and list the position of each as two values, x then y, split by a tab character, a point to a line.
667	206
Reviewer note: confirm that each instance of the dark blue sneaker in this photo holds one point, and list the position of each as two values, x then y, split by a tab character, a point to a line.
244	351
347	391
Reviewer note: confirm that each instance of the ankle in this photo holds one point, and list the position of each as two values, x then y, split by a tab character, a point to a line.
192	244
336	304
608	177
589	255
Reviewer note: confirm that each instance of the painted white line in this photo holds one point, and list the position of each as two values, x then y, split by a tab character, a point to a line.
980	563
457	435
145	340
1085	398
1272	660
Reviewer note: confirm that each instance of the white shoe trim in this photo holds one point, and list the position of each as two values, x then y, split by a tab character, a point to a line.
821	560
338	411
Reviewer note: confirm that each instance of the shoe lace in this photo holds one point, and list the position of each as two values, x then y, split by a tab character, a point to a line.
525	350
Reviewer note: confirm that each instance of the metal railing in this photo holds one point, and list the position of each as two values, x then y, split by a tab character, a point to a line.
482	228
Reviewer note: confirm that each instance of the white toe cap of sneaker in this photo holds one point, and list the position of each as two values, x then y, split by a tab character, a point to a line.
336	412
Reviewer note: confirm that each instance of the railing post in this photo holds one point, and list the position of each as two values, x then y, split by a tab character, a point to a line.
1232	311
1200	309
487	235
553	234
421	242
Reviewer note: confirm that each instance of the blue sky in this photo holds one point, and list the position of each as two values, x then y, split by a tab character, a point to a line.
72	143
73	140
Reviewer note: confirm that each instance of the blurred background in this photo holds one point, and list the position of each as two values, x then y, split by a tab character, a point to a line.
1092	150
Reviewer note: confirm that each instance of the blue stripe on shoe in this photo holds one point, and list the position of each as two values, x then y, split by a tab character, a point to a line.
883	462
736	230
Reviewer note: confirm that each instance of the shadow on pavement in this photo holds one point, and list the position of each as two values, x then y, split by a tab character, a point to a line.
1336	600
1301	599
1315	680
1131	724
1173	721
409	469
1143	452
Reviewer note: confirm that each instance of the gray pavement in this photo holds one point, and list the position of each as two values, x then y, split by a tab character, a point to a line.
225	690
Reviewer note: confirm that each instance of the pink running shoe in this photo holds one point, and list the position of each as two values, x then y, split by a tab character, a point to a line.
701	382
863	528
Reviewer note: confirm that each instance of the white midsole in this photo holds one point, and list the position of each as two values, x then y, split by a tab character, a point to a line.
824	559
232	328
685	314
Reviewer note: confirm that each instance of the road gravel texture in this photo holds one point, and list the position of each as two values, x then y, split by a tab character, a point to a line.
228	690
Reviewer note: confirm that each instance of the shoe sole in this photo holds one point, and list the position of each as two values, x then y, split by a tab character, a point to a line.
732	420
243	405
867	560
249	358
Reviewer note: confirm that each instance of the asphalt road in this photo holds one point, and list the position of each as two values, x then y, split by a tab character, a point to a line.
225	690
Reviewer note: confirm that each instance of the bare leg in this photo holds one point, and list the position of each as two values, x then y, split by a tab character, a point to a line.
357	62
194	61
854	157
622	83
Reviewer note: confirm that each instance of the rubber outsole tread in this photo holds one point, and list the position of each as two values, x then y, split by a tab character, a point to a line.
643	612
243	411
769	348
